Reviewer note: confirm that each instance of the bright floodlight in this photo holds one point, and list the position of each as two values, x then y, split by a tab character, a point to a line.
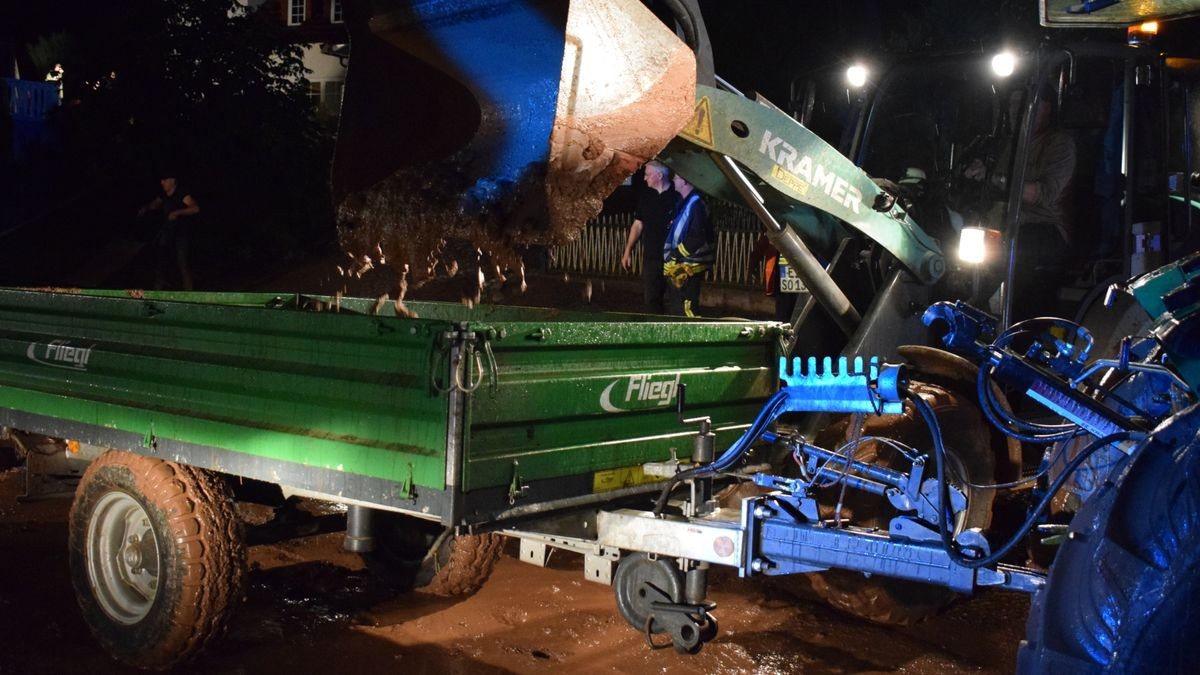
856	75
972	245
1004	63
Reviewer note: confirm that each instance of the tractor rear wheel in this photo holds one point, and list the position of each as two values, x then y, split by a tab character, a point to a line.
1123	592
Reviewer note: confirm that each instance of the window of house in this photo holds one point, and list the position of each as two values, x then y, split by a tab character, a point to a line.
331	100
296	12
314	94
335	11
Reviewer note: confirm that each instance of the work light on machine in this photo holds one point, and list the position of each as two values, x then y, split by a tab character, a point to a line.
976	244
1004	63
856	75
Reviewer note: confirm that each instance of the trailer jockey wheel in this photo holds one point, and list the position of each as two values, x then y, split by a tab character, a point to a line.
650	594
157	557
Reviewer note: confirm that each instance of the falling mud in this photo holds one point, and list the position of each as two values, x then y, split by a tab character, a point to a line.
427	231
434	218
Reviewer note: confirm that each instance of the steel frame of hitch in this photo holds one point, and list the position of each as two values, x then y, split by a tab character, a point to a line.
782	533
771	540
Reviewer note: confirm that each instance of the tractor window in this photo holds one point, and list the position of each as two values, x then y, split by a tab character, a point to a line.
1182	234
926	117
1092	111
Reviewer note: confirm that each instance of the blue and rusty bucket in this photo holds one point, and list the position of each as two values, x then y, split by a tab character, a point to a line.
498	120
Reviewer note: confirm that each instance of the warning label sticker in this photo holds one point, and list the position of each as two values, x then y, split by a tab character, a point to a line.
615	479
699	129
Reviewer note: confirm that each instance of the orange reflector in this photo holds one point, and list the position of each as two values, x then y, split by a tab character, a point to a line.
73	447
1142	32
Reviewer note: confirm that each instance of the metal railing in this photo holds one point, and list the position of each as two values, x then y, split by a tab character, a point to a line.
28	100
598	249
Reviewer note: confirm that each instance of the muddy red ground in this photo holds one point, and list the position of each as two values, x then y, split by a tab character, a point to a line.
311	609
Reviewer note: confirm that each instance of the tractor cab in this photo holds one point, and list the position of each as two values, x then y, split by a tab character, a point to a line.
998	152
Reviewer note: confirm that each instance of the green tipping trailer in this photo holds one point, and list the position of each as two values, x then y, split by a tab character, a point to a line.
433	431
464	416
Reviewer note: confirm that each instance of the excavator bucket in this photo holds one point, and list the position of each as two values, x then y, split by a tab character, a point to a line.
503	122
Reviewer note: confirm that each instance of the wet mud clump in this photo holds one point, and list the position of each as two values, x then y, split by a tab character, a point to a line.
430	222
423	225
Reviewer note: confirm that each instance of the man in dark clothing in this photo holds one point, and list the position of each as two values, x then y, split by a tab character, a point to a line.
1045	237
176	208
689	251
654	209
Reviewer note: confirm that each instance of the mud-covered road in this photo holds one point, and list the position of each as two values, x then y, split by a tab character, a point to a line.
311	609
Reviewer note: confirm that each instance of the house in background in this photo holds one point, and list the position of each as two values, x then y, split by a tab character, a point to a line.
318	26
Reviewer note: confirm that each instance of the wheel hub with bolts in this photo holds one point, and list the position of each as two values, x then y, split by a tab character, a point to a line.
123	558
157	557
133	555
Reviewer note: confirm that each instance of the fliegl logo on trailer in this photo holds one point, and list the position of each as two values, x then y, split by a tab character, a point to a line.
59	354
637	392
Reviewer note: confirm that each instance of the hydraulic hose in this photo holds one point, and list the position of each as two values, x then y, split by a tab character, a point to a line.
1033	326
731	456
1032	433
939	450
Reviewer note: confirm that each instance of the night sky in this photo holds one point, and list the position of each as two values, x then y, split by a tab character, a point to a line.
261	162
758	44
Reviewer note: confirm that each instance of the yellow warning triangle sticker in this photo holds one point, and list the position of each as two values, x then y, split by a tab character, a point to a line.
699	129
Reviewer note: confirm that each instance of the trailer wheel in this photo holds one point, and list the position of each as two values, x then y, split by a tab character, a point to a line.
157	557
461	564
1123	592
405	556
886	600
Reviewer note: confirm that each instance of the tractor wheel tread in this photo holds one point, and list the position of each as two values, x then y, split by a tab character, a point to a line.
1119	588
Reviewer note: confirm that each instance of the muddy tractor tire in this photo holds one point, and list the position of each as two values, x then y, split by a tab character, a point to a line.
412	554
1123	590
157	557
973	449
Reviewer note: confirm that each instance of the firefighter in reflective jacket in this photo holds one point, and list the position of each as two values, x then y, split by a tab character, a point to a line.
688	252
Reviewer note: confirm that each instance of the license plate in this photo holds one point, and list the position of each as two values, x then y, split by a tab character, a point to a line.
788	281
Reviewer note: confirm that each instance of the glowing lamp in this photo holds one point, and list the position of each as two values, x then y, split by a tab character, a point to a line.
1004	63
1142	32
856	75
975	244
